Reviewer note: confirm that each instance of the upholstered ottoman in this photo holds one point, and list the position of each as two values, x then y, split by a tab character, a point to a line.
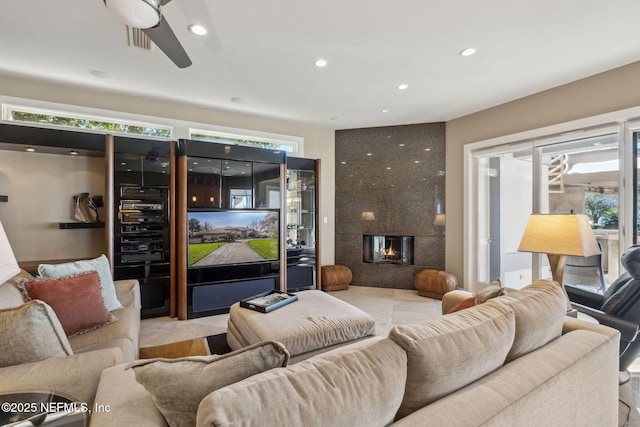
434	283
313	324
335	277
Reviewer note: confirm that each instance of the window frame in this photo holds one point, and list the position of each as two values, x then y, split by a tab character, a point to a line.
9	109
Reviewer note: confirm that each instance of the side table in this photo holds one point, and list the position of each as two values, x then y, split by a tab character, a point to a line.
42	408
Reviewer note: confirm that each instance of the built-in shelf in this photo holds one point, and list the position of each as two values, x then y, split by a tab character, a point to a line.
4	198
72	225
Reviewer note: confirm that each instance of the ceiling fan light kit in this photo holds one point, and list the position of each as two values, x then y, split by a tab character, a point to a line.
138	13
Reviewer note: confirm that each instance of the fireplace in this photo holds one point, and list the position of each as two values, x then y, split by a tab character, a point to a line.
379	249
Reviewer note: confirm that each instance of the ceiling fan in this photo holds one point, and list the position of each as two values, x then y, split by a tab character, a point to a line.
146	15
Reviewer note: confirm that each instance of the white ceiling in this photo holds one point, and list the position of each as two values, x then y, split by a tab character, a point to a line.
263	53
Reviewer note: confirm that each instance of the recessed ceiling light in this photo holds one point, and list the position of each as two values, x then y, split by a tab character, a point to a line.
468	51
239	100
320	63
73	152
386	110
343	162
416	161
427	149
198	29
31	150
388	167
400	145
369	154
403	86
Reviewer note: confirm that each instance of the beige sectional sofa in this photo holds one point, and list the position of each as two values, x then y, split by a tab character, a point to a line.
78	374
516	360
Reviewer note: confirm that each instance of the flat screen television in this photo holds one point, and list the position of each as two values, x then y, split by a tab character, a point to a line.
227	237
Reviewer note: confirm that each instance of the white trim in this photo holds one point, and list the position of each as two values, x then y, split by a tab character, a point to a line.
180	127
8	109
280	140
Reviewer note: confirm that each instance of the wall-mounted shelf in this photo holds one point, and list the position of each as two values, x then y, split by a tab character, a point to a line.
74	225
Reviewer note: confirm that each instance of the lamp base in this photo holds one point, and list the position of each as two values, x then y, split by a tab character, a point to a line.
557	263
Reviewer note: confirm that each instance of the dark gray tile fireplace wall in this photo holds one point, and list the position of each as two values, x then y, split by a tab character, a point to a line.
398	173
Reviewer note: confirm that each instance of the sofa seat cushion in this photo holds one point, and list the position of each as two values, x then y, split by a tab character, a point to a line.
540	309
447	353
359	385
127	327
178	385
76	375
29	333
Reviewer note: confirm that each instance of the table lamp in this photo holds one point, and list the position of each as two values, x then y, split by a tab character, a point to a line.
559	236
8	264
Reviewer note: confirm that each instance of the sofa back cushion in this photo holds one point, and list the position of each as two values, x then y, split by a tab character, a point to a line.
447	353
540	309
10	296
178	385
357	385
29	333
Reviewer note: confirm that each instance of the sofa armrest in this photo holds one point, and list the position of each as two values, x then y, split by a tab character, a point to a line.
451	299
77	375
128	292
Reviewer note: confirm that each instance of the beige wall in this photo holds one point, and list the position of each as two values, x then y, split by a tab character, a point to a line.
40	189
318	142
611	91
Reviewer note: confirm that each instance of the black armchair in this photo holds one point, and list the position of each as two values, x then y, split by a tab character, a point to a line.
618	307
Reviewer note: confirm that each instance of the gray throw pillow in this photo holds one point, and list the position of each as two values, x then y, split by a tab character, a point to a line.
177	386
29	333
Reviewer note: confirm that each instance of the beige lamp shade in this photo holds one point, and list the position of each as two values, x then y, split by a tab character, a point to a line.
368	216
8	264
564	234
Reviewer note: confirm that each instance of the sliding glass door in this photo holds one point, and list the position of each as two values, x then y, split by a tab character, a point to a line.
504	198
563	174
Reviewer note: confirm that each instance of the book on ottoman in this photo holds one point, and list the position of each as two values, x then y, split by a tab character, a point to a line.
268	301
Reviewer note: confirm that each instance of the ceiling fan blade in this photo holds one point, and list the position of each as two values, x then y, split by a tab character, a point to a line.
163	37
163	2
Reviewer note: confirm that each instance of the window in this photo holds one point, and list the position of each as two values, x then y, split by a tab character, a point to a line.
82	121
570	173
247	141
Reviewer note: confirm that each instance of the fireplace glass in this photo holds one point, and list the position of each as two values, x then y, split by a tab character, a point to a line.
378	249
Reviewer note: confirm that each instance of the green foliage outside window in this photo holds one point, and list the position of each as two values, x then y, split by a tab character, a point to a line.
80	123
241	141
602	210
